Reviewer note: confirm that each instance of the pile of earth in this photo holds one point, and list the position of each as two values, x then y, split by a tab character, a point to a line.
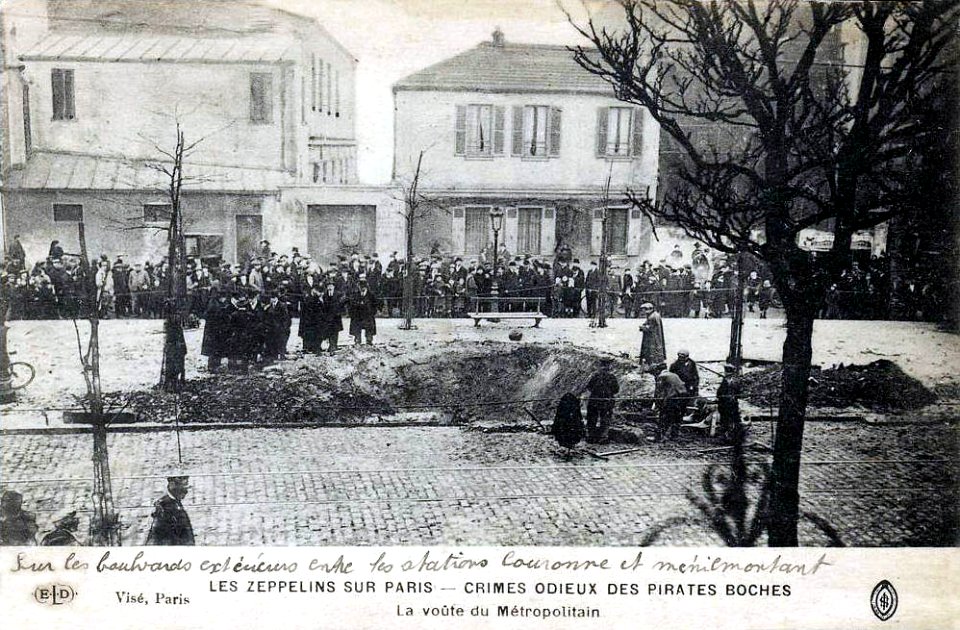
878	386
454	382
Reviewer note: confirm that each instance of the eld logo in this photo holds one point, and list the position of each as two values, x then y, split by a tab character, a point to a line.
883	600
54	595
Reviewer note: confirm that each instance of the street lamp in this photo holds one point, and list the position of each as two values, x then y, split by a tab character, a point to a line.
496	223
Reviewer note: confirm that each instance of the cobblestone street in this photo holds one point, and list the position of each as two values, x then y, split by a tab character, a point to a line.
363	486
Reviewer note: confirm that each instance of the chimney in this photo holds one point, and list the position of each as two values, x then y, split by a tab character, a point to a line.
498	38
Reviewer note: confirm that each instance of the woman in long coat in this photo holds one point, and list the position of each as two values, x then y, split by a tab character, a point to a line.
309	329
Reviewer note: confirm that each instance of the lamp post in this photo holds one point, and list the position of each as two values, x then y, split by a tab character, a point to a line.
496	223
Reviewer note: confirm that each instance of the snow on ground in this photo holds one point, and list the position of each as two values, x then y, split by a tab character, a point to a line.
131	349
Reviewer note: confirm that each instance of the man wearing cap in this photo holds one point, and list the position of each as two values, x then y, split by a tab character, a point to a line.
63	532
171	524
17	526
728	404
653	354
671	395
603	387
686	369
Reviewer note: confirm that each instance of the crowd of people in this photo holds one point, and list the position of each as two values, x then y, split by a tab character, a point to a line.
698	284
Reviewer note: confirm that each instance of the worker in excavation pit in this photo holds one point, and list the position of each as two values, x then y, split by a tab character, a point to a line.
603	387
671	395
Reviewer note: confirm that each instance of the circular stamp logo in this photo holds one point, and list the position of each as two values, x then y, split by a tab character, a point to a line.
883	600
54	594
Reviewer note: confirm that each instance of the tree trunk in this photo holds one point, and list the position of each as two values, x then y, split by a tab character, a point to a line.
408	271
785	477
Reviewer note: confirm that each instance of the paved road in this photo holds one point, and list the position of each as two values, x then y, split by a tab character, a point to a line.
364	486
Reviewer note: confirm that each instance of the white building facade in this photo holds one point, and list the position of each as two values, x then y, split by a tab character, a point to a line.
523	128
93	95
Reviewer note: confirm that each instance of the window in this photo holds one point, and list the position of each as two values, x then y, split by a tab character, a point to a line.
261	98
477	230
203	246
316	172
479	130
617	222
67	212
157	212
619	132
536	131
63	96
528	230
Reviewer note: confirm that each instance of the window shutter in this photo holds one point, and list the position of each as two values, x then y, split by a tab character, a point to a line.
602	130
554	131
313	81
319	87
517	130
498	116
56	89
68	103
460	131
636	142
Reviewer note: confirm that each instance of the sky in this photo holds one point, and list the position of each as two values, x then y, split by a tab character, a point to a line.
395	38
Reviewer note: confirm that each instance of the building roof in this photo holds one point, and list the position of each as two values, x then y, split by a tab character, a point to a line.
165	48
506	67
48	170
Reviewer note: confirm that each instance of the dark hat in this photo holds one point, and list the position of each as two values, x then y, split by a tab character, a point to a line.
178	478
576	261
647	306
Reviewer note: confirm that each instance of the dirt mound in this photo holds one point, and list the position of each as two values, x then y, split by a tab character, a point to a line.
878	386
457	382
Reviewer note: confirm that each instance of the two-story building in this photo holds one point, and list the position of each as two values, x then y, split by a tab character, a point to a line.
93	95
523	128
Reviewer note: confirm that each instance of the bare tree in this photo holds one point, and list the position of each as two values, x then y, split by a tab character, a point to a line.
810	140
416	205
105	523
175	303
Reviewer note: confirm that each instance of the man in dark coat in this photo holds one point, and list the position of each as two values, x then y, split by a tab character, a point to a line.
63	532
593	283
568	423
728	404
686	369
363	313
171	524
671	396
16	253
216	330
653	355
276	325
240	348
330	316
17	526
309	329
603	387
